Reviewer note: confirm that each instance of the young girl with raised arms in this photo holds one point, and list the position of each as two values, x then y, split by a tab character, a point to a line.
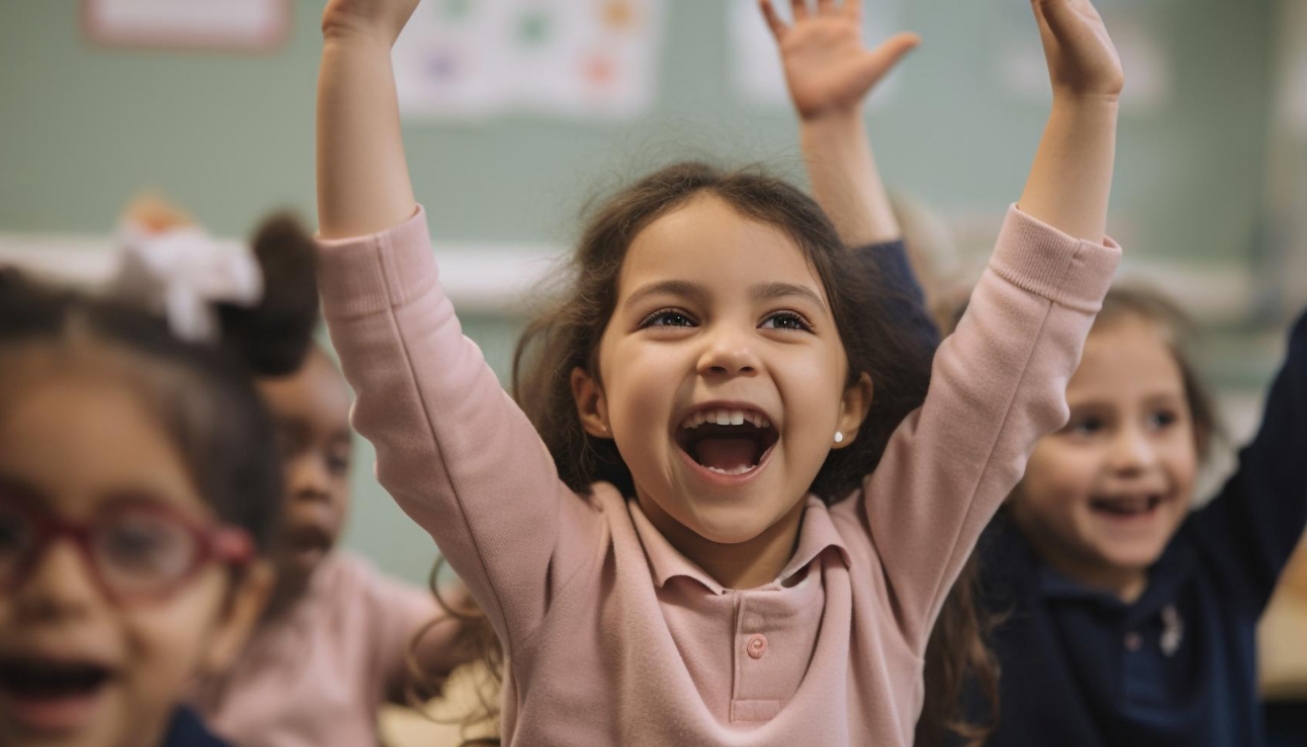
139	490
711	520
1126	618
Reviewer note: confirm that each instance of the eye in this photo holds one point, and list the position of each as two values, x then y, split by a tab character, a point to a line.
786	320
15	532
1088	425
338	465
1163	419
667	318
143	545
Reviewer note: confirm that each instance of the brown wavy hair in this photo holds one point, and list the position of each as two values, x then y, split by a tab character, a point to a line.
565	333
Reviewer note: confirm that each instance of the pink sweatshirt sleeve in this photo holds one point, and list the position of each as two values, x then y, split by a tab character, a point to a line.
998	384
452	448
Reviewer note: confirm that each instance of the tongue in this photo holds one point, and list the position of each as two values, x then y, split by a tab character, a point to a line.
727	453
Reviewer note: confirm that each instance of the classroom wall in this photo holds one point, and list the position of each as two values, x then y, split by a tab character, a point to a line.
231	136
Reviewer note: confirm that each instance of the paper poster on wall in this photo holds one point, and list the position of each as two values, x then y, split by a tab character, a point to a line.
228	24
570	58
756	67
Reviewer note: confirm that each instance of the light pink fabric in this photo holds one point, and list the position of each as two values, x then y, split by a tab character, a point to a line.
614	638
316	677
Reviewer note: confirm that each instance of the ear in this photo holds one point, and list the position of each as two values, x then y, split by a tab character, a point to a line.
591	406
853	409
249	596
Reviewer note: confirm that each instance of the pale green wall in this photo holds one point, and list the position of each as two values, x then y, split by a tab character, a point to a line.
231	136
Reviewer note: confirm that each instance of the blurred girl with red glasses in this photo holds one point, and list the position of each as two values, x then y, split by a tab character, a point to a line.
139	488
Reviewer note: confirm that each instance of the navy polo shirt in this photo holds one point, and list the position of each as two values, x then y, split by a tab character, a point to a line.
1176	667
187	730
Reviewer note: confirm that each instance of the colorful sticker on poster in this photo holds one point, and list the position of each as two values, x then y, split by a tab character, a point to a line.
229	24
569	58
756	67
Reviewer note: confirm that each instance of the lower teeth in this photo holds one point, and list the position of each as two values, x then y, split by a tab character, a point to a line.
736	471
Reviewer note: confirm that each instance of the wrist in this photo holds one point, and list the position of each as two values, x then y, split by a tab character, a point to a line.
1069	99
844	126
345	34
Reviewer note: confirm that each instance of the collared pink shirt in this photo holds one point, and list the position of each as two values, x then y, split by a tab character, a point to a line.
615	638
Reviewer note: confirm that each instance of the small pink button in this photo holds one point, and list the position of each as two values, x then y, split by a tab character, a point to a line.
757	646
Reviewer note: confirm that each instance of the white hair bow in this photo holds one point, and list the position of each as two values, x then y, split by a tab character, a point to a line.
182	272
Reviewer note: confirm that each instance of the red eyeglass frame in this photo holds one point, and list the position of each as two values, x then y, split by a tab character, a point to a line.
215	543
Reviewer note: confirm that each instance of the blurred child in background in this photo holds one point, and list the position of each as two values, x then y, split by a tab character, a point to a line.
1123	617
139	487
333	643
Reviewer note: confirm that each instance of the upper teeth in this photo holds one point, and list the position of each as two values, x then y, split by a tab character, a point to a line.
726	417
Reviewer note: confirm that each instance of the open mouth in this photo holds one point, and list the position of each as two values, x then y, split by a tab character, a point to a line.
727	441
48	680
1128	507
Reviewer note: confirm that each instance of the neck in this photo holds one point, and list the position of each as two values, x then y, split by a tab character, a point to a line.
745	565
1126	584
292	584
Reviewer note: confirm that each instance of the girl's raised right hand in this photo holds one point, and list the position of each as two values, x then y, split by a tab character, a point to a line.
381	20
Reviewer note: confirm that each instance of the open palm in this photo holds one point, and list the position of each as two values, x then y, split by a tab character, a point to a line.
827	66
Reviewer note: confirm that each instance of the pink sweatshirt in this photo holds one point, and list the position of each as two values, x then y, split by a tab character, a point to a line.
316	677
613	637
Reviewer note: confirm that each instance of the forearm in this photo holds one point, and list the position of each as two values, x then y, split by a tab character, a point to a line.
845	180
363	181
1071	178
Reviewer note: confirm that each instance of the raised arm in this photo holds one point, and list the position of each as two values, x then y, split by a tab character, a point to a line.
999	382
1253	525
453	450
1071	178
363	182
829	73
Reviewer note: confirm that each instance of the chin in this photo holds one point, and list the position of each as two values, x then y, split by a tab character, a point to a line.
1132	557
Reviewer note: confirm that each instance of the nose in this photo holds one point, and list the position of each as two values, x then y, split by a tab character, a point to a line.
1132	451
59	585
729	352
308	478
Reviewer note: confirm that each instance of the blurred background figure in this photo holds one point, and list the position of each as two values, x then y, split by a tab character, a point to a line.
139	486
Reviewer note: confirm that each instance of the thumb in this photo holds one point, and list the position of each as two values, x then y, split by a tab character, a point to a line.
887	56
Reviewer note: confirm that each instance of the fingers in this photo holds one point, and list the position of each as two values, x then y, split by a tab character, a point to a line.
800	9
774	22
888	55
825	6
852	8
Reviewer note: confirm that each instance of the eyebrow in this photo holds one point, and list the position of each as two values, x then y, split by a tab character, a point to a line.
697	292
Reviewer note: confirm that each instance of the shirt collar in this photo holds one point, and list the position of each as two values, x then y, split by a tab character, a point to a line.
1165	578
816	533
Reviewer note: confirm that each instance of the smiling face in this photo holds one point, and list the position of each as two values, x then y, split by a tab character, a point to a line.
1102	497
77	670
722	377
311	408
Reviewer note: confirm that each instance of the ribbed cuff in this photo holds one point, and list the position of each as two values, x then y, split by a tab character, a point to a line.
1043	260
374	273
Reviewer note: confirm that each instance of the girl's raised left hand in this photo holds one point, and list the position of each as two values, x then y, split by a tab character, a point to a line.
1082	61
827	67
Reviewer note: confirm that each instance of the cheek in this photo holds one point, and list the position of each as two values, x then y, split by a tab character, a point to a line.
1056	477
168	639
